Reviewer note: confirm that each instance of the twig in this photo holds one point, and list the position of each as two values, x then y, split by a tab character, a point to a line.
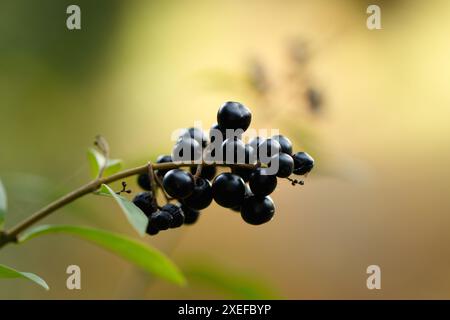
10	235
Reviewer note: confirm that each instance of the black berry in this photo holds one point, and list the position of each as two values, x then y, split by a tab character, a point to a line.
303	163
160	220
201	197
143	181
190	215
208	172
176	213
233	151
257	210
216	132
144	201
163	159
152	230
228	190
178	183
234	115
261	183
285	164
285	143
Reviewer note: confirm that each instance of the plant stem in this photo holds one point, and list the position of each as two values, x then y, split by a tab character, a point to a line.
11	234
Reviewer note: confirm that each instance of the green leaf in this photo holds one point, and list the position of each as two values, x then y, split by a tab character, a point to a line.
9	273
139	253
97	160
134	215
232	284
3	205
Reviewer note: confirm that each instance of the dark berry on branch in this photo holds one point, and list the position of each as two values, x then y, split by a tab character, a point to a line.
303	163
261	183
285	164
228	190
160	220
190	215
234	115
143	181
187	149
144	201
257	210
177	214
233	151
197	134
201	197
216	132
178	183
152	230
285	143
208	172
163	159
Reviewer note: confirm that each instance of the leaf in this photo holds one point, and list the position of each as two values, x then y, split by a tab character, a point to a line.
139	253
97	160
234	285
3	205
9	273
134	215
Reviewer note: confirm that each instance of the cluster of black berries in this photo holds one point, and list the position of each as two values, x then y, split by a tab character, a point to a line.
245	189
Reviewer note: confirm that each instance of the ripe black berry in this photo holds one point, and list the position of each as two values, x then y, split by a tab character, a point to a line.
234	115
190	215
268	148
285	164
257	210
228	190
143	181
178	183
261	183
201	197
233	151
216	132
152	230
177	214
163	159
196	134
208	172
160	220
187	149
303	163
285	143
144	201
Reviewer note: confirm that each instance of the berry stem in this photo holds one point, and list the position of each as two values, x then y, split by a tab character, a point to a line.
10	235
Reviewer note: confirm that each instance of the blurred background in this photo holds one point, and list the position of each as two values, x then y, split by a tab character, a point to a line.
372	107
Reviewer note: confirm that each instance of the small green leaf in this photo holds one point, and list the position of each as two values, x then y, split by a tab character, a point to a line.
139	253
3	205
134	215
9	273
97	160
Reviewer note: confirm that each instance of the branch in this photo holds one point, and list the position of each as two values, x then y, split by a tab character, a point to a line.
11	235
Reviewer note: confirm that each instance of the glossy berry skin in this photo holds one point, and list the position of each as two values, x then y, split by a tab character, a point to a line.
190	215
268	148
144	201
216	132
160	220
143	180
285	164
176	213
163	159
208	172
244	173
233	151
196	134
234	115
201	197
285	143
262	184
152	230
254	143
303	163
228	190
178	183
257	210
